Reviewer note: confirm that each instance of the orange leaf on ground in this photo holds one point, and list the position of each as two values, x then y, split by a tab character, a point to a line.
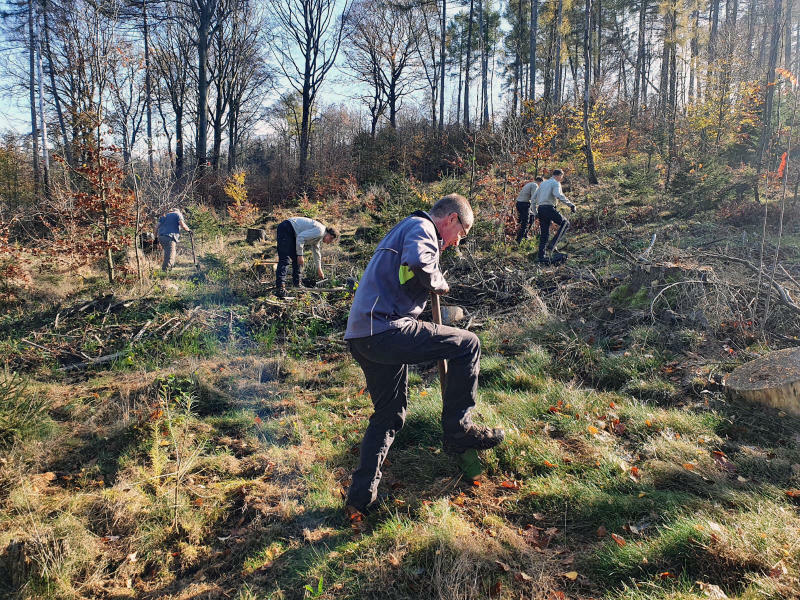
666	575
689	466
635	474
511	485
648	422
618	539
571	575
550	465
593	430
476	483
793	493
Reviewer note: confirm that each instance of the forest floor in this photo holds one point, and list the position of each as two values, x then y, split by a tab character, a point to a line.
208	457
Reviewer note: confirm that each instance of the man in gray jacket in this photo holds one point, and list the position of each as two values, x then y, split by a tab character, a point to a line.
546	198
293	236
170	226
385	336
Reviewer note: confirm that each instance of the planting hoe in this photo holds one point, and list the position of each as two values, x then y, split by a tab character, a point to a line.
468	461
194	256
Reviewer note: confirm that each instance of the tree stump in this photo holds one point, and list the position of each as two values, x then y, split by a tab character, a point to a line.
773	379
256	235
452	314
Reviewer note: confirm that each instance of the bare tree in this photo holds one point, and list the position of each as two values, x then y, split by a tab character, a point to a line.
309	39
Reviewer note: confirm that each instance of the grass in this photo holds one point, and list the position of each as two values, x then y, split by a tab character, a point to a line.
213	461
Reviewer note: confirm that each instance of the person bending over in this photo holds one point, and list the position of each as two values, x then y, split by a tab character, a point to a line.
170	225
293	236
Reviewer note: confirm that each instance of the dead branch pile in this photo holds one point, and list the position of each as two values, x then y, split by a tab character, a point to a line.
103	329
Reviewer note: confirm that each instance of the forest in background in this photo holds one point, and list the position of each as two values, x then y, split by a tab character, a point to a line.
126	96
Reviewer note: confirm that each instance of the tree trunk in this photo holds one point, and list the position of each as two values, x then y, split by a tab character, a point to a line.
147	85
770	86
469	64
484	69
442	62
694	46
599	54
587	67
712	37
179	164
53	90
45	155
202	89
557	52
534	30
32	89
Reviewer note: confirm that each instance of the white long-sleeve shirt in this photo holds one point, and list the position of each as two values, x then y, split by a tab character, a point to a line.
527	192
308	231
549	192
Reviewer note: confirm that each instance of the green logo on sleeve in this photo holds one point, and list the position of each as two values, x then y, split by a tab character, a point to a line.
405	274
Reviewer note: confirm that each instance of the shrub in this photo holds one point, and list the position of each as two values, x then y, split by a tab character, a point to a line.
22	415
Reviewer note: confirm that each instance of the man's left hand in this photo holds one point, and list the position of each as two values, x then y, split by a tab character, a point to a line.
320	274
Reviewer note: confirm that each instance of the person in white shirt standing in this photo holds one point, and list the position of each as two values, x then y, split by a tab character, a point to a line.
524	213
546	198
293	236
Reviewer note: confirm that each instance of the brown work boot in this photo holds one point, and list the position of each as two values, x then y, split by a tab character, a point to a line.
477	437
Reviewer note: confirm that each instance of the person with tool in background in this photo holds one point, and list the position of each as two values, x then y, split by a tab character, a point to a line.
293	235
170	225
385	335
546	198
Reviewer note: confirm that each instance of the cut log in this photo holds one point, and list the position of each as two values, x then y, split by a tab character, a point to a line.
773	379
256	235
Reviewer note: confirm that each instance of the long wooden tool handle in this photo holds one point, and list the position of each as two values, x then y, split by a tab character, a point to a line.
194	256
436	309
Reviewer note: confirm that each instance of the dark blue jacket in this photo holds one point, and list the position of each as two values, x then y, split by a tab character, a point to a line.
398	278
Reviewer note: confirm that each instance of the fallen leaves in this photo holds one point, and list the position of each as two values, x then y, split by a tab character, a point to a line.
571	575
618	539
511	484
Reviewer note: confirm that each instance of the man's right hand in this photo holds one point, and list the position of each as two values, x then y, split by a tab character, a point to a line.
301	260
443	291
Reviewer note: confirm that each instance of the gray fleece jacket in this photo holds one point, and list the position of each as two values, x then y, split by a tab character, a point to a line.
398	278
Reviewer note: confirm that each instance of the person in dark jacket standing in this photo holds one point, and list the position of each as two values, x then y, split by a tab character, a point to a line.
293	236
169	227
385	336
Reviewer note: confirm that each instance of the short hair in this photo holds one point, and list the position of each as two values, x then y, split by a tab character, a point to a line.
557	172
538	178
454	203
332	231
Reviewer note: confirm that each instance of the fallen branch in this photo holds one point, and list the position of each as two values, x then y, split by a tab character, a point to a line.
783	295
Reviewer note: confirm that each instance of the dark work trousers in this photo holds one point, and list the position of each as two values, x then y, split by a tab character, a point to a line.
384	358
548	214
286	252
524	217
